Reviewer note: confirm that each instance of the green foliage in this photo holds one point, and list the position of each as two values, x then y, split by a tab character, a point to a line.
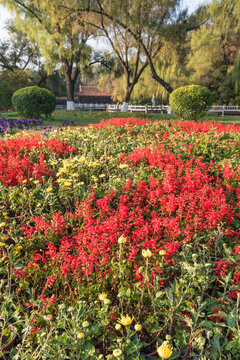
212	61
18	79
60	38
191	100
5	96
33	101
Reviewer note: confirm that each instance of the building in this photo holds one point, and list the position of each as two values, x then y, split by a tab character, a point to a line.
88	94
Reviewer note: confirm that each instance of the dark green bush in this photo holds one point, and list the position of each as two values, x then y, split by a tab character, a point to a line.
190	101
33	101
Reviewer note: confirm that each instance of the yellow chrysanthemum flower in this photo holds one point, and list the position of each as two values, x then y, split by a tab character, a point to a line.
147	253
123	166
125	320
165	350
102	296
18	248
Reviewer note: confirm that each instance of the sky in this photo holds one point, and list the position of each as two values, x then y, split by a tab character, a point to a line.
191	5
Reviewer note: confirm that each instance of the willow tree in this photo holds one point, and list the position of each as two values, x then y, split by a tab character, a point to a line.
232	8
61	38
149	23
127	52
214	48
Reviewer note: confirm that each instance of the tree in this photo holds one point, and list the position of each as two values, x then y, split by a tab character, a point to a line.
18	57
150	23
113	85
111	77
214	49
233	7
128	54
17	53
61	38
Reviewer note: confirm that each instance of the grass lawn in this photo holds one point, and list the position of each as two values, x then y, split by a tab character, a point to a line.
85	118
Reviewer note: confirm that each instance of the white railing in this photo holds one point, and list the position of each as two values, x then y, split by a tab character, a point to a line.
85	106
116	107
224	109
141	108
221	110
91	106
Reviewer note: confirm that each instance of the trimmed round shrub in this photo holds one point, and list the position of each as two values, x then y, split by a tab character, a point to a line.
33	101
190	101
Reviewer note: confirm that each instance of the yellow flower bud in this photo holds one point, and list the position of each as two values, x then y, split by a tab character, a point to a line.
122	240
85	324
107	301
80	335
117	352
138	327
162	252
118	327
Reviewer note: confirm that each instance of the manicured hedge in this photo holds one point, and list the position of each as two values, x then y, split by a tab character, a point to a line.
190	101
33	101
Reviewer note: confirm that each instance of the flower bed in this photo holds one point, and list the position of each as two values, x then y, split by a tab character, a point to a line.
125	240
7	125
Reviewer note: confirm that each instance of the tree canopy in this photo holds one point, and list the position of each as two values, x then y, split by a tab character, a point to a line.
61	39
147	40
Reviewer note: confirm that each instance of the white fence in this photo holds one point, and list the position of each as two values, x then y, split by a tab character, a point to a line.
115	107
224	110
141	108
99	107
219	110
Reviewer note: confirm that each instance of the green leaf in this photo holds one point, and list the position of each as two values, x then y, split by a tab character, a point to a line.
88	351
169	294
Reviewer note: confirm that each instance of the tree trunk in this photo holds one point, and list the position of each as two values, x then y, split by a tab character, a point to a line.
71	79
70	92
42	80
126	100
154	73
